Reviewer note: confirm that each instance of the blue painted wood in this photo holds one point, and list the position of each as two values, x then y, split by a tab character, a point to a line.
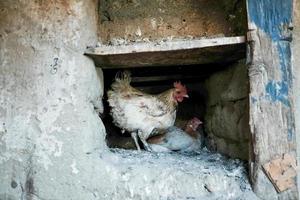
271	16
274	17
272	20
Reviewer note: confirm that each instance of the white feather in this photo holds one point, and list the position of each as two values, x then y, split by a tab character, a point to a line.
175	139
142	113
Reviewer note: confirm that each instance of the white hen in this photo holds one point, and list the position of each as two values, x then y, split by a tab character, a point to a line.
139	113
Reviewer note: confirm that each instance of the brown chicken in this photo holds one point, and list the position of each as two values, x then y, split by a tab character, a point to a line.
139	113
176	139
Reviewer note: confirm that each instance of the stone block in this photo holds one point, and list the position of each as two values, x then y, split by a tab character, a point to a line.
227	113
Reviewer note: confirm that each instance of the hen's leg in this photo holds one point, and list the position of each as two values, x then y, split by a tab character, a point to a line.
146	145
135	138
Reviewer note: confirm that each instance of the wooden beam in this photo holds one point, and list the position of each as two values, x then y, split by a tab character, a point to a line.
168	53
165	46
164	78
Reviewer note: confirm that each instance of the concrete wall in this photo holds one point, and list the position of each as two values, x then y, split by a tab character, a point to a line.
125	21
48	91
227	113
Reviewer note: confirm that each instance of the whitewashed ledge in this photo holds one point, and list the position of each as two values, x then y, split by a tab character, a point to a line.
161	176
167	53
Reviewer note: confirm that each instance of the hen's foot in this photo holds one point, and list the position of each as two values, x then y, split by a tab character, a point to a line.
146	145
135	138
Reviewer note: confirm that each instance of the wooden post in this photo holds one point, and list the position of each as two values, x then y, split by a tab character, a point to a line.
296	84
272	122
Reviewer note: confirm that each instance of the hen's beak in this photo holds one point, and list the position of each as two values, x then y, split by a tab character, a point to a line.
186	96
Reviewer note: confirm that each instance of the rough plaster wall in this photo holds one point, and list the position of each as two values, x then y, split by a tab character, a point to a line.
227	116
296	68
48	91
124	21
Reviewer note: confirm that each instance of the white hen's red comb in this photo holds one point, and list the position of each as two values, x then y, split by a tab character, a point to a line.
181	87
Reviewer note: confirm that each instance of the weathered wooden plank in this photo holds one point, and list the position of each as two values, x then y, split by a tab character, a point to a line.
296	83
165	46
163	78
168	53
271	107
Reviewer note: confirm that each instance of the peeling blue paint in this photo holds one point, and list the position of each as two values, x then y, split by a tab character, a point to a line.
285	55
274	17
291	126
253	100
278	91
290	134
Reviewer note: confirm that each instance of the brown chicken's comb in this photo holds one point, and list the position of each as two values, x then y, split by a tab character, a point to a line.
195	119
179	86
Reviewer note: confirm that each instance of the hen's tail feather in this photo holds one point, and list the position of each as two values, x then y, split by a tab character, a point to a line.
122	81
123	76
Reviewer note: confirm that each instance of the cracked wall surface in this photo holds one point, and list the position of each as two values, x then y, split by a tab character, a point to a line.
48	93
126	21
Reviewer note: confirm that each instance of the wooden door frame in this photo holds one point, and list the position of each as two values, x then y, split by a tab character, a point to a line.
272	119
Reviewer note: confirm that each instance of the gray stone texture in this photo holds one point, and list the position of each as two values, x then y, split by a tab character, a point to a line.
227	114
